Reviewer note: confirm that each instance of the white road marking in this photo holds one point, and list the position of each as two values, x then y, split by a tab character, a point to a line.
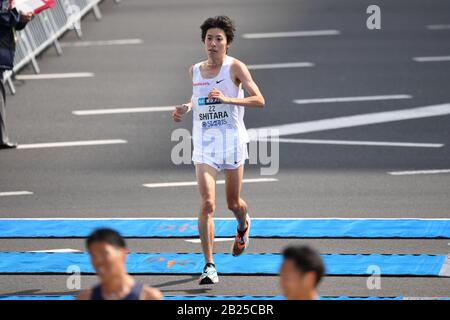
194	183
352	121
358	143
57	250
70	144
424	298
15	193
445	269
215	240
280	65
401	173
310	33
122	110
217	218
118	42
432	59
51	76
353	99
438	27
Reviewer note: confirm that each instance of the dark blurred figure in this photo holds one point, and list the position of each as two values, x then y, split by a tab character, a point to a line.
300	273
10	21
108	255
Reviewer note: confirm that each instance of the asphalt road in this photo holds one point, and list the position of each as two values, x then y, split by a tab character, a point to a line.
314	179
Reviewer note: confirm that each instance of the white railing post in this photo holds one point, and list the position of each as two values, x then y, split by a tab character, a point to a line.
46	29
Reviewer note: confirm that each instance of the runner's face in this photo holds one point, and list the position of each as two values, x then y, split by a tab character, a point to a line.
292	282
106	259
216	42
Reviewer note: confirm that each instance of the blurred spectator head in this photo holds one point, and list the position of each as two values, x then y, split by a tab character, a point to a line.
108	252
301	272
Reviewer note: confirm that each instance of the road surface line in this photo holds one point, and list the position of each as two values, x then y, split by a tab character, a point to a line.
15	193
438	27
280	65
194	183
122	110
310	33
401	173
351	121
70	144
357	143
215	240
353	99
51	76
118	42
432	59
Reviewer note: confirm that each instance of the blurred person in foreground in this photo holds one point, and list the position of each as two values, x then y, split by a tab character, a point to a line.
108	254
300	273
10	21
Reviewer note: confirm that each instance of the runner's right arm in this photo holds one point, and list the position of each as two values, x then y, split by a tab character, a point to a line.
177	114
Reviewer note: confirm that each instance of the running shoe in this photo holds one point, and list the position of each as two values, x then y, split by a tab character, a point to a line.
242	239
209	275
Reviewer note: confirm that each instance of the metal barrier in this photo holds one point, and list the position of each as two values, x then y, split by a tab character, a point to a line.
45	30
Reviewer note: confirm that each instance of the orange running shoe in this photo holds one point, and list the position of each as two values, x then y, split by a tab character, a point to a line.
242	239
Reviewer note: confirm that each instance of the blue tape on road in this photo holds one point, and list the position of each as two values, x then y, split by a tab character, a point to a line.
37	297
223	298
289	228
192	263
272	298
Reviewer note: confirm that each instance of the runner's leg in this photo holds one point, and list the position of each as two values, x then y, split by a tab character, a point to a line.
206	179
233	185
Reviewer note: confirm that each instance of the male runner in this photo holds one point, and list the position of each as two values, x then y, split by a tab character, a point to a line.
219	134
108	255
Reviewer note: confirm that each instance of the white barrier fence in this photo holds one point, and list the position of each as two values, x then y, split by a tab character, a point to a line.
45	30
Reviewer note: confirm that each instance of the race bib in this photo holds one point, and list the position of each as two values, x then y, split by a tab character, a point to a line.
212	113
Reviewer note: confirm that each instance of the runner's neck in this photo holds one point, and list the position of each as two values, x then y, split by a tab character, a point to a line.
118	286
306	296
214	63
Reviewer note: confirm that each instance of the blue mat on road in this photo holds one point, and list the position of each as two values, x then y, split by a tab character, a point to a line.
192	263
282	228
225	298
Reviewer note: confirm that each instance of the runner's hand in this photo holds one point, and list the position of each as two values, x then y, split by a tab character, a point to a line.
216	93
177	114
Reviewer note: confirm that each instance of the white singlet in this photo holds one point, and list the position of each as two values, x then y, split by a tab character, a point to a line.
219	134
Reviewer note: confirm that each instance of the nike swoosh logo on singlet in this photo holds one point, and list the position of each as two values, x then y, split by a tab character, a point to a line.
219	81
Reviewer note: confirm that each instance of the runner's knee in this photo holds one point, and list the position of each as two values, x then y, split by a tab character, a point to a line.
208	206
236	205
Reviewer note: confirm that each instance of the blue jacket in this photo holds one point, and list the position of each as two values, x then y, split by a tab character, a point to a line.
9	19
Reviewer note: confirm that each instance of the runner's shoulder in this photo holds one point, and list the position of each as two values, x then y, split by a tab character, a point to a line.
191	68
200	63
237	65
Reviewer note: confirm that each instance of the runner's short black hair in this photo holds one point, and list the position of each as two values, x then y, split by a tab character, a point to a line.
306	259
221	22
109	236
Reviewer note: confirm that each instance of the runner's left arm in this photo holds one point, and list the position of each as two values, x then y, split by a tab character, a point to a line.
255	97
